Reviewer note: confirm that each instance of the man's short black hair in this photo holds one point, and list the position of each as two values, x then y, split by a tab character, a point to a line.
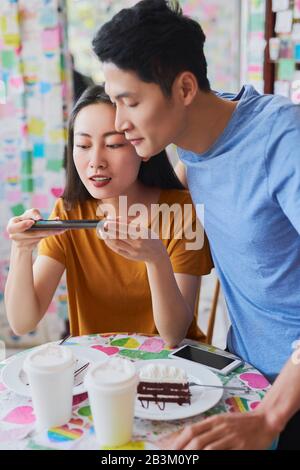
156	41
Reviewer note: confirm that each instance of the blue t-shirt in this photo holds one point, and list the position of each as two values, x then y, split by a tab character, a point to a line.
249	182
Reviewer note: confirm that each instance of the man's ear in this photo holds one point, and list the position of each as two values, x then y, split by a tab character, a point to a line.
186	87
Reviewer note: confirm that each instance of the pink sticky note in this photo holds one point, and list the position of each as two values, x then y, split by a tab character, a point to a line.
40	201
50	39
7	110
17	83
14	196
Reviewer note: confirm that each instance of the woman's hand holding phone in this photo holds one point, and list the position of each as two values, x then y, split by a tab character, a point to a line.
17	229
133	241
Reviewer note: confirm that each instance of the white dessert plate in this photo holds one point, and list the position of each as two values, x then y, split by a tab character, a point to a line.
15	379
202	399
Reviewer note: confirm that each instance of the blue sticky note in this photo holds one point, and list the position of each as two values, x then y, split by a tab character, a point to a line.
45	87
48	17
38	150
297	52
39	182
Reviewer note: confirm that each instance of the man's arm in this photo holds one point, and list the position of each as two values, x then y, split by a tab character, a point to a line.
253	430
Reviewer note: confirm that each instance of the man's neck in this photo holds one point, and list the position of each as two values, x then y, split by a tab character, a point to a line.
207	118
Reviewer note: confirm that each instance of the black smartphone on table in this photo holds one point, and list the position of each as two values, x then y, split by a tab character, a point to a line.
220	362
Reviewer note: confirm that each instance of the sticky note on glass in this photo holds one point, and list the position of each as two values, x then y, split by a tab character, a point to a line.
256	23
38	150
286	69
12	40
36	127
14	196
26	163
297	52
40	201
296	9
48	17
16	84
50	39
18	209
284	22
280	5
54	165
8	59
282	88
27	185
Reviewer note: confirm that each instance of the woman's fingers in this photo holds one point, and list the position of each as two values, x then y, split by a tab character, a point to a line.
23	221
31	214
37	235
19	226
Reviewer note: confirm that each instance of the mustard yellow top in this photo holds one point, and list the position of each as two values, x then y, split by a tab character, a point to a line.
109	293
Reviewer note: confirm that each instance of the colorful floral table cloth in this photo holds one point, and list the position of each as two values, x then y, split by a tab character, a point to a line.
17	417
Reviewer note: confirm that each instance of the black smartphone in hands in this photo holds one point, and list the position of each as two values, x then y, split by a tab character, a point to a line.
66	224
216	361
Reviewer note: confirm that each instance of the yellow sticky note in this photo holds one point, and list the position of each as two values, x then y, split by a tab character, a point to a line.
56	135
12	40
133	445
3	24
36	127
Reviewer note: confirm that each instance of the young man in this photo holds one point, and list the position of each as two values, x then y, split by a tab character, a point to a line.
240	157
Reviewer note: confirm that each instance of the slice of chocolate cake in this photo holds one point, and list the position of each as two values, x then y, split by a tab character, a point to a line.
161	384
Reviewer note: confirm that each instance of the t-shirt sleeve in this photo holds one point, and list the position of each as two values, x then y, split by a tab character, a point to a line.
189	250
55	246
283	163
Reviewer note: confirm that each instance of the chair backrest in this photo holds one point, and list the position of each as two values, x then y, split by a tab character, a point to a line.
213	311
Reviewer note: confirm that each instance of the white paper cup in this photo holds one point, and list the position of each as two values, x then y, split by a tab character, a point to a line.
50	371
111	387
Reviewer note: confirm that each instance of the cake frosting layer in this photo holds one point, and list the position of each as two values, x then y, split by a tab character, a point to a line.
162	373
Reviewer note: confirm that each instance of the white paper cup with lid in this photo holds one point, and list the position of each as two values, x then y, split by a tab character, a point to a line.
50	371
111	387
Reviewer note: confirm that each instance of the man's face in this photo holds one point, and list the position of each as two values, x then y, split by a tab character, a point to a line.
149	119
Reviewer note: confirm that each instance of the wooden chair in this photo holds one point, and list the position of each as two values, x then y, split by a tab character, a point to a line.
213	311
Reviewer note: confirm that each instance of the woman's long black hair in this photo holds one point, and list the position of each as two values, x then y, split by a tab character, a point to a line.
157	171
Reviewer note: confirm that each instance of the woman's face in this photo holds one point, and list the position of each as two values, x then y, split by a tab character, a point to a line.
106	162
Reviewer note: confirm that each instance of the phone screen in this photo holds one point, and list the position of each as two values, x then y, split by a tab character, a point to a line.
204	357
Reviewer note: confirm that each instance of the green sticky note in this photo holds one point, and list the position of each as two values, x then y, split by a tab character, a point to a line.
54	165
26	167
18	209
8	59
286	69
27	185
257	22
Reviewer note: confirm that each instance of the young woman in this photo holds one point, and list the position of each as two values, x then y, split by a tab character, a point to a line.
146	285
